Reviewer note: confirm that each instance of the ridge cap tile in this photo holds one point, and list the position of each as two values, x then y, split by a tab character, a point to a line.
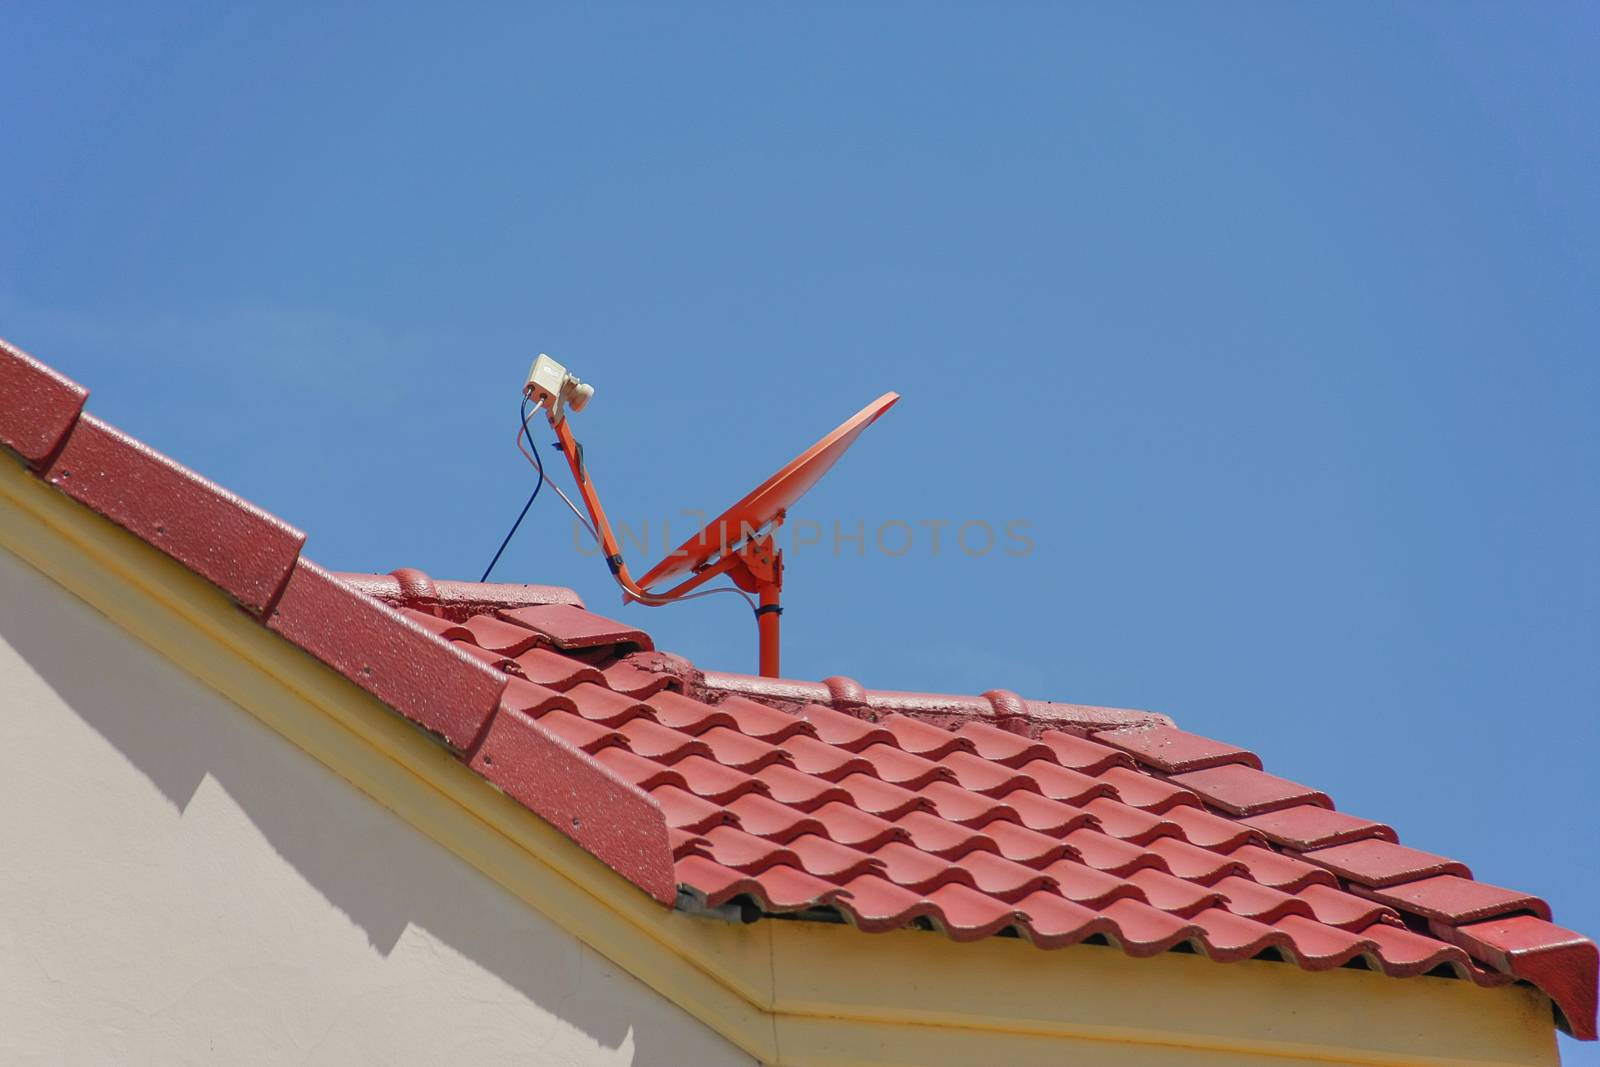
41	405
423	677
606	815
245	551
1558	961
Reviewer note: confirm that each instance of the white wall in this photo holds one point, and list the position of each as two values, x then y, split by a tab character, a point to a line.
178	884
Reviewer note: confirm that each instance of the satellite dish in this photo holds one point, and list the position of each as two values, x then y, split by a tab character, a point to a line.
767	502
738	543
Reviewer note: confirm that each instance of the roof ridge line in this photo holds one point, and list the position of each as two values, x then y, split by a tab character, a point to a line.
998	707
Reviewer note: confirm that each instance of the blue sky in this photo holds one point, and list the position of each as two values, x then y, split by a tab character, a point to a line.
1276	325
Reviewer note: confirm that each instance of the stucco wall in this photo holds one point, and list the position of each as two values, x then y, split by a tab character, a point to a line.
178	884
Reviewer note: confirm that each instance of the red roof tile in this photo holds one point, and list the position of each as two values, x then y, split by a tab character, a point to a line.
502	638
1039	813
712	780
627	676
1130	824
580	733
843	731
1280	870
764	723
1142	791
450	631
1239	789
1169	749
1252	900
682	713
851	826
1170	893
1195	863
685	811
923	739
1106	853
1078	882
1452	899
1002	746
1231	937
555	670
1307	826
975	814
1209	830
1337	908
808	792
1383	863
1082	755
650	739
570	627
533	699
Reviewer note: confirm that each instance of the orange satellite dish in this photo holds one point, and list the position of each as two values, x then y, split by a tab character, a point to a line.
738	543
768	501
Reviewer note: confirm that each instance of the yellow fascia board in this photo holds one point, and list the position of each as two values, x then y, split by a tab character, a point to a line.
799	993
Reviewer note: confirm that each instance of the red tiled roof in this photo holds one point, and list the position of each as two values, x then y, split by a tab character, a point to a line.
973	815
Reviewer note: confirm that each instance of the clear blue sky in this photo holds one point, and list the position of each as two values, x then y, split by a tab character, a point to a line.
1278	324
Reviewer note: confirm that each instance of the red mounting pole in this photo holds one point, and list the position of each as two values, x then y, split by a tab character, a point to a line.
761	573
767	616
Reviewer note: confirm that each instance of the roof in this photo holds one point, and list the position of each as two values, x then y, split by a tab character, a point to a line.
976	816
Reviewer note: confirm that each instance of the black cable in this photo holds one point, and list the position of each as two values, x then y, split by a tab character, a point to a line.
536	487
615	562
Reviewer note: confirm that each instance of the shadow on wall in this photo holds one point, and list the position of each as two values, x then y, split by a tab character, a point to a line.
361	857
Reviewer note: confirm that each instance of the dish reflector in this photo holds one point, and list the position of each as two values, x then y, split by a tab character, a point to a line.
768	500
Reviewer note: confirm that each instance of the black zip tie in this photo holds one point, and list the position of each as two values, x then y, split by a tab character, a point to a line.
769	609
615	563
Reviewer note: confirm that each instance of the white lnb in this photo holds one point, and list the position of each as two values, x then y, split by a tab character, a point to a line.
546	378
550	384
